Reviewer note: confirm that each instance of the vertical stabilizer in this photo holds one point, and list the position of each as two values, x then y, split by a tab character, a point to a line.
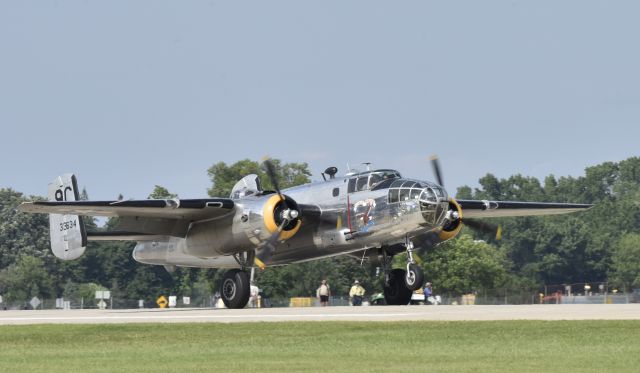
68	236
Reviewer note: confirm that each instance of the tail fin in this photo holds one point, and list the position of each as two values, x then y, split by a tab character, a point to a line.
68	236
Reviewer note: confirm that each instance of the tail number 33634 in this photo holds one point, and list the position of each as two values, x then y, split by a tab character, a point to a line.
66	225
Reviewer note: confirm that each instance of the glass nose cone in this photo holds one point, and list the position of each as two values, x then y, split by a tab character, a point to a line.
433	205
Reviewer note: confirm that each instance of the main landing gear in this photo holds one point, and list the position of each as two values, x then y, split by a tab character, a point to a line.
235	289
399	284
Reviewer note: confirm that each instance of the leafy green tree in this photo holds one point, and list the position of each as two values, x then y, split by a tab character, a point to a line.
160	192
26	279
77	291
225	177
20	234
465	265
626	262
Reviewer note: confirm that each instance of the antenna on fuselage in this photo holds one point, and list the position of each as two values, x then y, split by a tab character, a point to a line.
368	164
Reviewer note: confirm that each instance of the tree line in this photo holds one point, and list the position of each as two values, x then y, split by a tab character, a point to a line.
598	245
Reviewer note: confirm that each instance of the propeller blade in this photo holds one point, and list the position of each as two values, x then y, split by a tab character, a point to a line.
436	169
265	252
484	227
270	169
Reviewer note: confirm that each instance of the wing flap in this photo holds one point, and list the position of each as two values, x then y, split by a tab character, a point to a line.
186	209
499	209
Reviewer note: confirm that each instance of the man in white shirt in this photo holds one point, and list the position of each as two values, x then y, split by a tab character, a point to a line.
323	293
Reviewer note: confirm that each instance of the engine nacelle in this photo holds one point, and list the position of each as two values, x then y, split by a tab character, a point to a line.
255	220
453	222
273	216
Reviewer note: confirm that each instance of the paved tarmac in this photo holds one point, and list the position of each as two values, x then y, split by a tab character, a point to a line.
372	313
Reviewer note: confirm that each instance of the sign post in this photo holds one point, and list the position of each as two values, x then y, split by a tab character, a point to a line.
35	302
162	302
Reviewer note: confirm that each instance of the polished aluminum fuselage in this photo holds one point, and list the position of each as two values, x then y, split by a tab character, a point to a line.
346	222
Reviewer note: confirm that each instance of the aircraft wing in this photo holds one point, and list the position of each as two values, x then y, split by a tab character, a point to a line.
499	209
185	209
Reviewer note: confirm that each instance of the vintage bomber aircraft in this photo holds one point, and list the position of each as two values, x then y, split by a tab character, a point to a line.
375	214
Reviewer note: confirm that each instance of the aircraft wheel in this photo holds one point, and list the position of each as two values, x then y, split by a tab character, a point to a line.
414	278
234	290
396	291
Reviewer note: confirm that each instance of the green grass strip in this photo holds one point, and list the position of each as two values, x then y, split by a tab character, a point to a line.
486	346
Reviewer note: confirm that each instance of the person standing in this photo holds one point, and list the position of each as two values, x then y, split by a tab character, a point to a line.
323	293
428	293
356	293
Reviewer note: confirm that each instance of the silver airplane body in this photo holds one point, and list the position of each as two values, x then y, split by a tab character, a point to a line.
375	214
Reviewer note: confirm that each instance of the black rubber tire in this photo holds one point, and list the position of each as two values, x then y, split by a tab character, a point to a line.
396	292
234	289
414	279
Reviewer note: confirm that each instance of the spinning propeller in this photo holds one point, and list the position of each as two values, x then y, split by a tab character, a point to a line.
477	225
287	214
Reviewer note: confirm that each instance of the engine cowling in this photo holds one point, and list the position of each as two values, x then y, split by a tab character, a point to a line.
453	222
273	216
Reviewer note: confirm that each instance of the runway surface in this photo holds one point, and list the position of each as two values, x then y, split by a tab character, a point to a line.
377	313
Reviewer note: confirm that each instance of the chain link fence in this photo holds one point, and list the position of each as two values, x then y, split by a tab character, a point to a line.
577	293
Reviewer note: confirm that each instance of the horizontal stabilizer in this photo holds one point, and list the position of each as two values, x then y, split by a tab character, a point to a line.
187	209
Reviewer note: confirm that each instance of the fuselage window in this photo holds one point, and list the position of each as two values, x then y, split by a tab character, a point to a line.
393	195
336	192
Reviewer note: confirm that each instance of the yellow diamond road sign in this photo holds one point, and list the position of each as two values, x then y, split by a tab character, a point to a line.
162	301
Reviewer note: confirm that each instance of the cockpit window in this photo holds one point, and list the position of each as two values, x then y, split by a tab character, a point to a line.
361	184
383	184
352	186
373	180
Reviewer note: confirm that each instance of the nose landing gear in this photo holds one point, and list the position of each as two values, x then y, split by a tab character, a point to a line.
414	276
399	283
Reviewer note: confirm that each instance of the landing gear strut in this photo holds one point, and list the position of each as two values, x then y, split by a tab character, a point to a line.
414	276
235	289
399	284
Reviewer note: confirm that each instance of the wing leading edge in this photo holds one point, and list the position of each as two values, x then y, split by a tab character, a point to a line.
499	209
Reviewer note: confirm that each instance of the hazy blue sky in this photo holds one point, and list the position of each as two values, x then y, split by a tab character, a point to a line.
129	94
